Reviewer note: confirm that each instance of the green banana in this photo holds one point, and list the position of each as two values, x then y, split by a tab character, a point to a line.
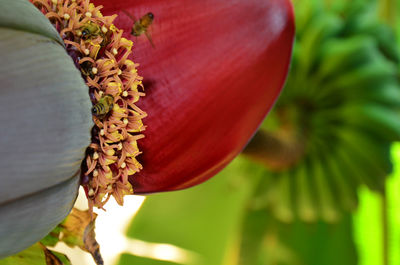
304	200
342	97
283	210
343	184
326	194
373	119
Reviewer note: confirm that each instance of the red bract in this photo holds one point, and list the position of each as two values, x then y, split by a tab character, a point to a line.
216	70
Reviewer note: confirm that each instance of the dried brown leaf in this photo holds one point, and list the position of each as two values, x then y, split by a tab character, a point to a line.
79	231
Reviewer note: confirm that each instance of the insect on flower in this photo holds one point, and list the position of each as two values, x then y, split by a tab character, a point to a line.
90	30
103	107
142	25
87	69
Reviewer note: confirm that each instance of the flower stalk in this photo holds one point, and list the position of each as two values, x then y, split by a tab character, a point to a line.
278	151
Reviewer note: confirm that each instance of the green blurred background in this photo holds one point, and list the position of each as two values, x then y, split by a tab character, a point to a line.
320	182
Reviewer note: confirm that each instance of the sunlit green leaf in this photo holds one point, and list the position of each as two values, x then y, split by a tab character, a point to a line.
203	221
30	256
316	244
130	259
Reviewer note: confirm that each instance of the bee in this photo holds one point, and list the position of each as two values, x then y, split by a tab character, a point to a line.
103	106
90	30
142	25
86	69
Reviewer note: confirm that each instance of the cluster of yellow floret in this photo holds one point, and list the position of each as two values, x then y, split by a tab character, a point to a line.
101	53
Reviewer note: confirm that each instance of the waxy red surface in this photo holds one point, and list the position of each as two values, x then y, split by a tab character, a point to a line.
216	70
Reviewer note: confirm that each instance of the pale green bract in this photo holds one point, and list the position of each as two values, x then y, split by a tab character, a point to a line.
45	121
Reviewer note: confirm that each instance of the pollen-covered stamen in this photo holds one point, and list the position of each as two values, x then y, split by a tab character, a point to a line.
101	54
91	192
119	146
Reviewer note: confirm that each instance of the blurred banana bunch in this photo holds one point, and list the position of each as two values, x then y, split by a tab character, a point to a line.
341	104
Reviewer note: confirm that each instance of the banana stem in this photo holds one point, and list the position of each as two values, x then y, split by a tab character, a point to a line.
275	150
